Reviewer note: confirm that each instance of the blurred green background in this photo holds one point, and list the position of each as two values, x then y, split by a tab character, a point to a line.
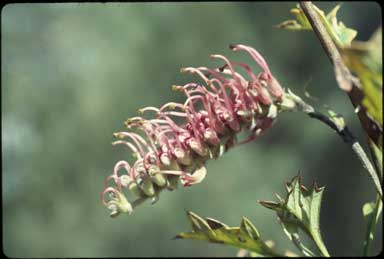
72	73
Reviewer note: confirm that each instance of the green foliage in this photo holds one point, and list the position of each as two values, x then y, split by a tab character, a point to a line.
371	213
301	22
365	60
246	236
341	34
300	210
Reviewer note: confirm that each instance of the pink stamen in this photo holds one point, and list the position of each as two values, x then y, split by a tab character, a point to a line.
107	190
246	67
255	55
228	63
195	71
214	73
129	144
227	101
172	105
135	138
242	83
116	180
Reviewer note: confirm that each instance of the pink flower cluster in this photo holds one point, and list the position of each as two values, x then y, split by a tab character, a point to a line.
214	112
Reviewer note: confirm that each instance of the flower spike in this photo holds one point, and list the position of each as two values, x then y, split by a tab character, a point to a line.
175	144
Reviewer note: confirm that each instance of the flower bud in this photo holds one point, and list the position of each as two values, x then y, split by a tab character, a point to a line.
211	137
182	156
155	198
156	176
164	158
197	147
114	210
272	112
133	187
244	114
287	104
275	88
147	187
119	204
125	180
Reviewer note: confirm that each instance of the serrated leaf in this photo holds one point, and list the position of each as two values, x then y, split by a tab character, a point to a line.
340	34
270	205
246	236
249	229
199	225
301	210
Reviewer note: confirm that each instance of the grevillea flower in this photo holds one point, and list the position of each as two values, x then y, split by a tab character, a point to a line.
167	150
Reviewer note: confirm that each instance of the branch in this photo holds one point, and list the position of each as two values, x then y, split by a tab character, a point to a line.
344	78
349	139
338	125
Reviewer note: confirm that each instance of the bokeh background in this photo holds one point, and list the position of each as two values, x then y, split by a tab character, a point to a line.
72	73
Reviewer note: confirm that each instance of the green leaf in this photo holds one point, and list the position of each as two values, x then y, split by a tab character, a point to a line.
340	34
291	230
364	59
301	22
371	213
246	236
300	210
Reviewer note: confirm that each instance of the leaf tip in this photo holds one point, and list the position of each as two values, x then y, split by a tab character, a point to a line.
269	204
214	224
